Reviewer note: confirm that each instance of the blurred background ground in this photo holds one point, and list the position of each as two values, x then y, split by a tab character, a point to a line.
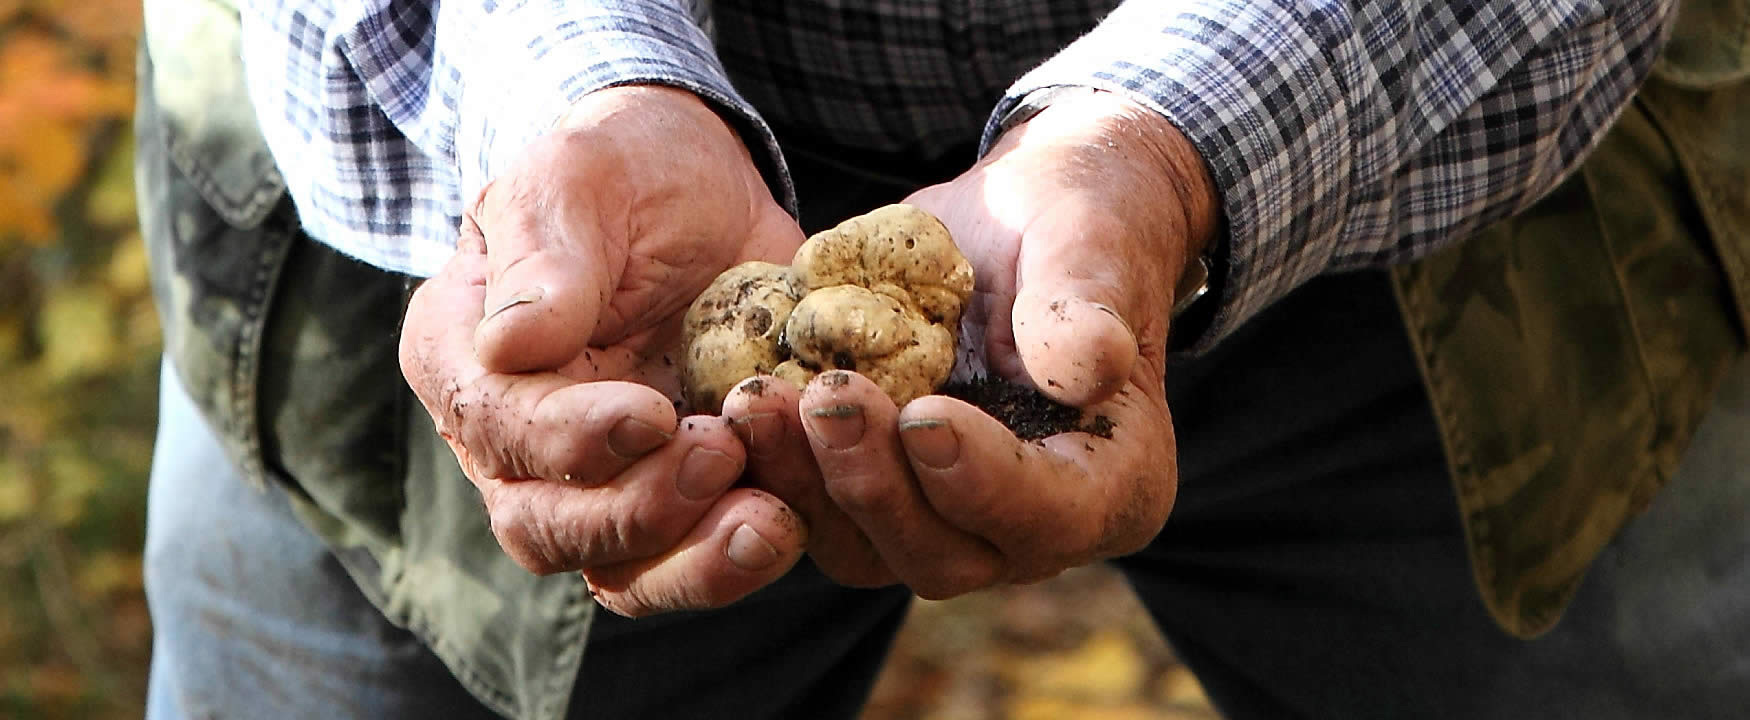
78	359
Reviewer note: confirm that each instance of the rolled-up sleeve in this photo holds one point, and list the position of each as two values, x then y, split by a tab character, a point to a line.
1345	133
387	116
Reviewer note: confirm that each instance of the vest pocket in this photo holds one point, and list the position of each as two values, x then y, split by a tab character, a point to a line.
211	278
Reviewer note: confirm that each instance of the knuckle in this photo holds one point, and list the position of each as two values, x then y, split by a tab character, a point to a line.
566	458
648	529
651	595
488	458
864	494
521	541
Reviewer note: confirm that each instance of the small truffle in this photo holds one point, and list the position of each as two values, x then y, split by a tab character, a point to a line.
881	294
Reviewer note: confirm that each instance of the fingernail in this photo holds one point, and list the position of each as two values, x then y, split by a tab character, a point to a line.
749	551
931	442
632	438
705	473
761	430
1102	307
521	298
837	426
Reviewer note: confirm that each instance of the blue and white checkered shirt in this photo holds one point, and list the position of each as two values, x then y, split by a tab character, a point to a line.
1340	133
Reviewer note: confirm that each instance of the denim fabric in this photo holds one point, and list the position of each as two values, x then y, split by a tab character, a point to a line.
255	617
252	615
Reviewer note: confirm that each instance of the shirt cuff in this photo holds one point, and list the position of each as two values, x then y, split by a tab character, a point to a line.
529	62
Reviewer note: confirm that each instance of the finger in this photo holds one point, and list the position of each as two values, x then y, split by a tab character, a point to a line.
851	425
518	426
763	412
445	306
1088	298
640	513
548	426
550	272
1065	501
744	542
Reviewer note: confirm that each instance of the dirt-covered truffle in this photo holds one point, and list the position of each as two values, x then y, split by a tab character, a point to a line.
732	330
881	294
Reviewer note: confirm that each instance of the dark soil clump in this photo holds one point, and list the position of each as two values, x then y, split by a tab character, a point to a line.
1027	412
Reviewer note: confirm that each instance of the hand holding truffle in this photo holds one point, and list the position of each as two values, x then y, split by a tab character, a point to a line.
1078	225
545	354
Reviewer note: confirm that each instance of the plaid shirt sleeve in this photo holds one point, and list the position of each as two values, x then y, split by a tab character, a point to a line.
1343	134
386	115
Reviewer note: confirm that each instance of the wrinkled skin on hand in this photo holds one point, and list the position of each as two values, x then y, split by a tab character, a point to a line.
879	294
544	352
1078	224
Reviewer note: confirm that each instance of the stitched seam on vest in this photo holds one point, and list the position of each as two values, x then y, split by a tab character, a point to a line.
1634	327
1726	250
465	673
409	615
1728	253
1458	455
246	370
242	213
576	617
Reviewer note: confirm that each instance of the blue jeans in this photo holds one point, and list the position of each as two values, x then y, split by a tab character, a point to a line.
254	617
1313	568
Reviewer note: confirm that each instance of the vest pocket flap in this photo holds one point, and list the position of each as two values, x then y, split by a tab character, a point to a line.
206	122
1710	45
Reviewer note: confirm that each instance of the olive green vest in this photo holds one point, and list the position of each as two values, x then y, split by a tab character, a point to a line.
1568	353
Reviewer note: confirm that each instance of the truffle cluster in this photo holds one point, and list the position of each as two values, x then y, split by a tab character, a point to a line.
881	294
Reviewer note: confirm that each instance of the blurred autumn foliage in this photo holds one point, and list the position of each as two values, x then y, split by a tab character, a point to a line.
78	354
78	361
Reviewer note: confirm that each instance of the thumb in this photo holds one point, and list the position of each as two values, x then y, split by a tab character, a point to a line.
1087	302
549	279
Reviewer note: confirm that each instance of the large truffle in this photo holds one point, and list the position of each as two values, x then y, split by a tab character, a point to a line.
881	294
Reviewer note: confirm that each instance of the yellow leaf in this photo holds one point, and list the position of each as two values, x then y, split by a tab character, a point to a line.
1106	667
112	196
30	415
141	332
1180	688
76	333
17	498
127	267
1051	708
73	479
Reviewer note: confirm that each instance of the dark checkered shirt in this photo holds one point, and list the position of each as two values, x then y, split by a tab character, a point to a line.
1340	133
